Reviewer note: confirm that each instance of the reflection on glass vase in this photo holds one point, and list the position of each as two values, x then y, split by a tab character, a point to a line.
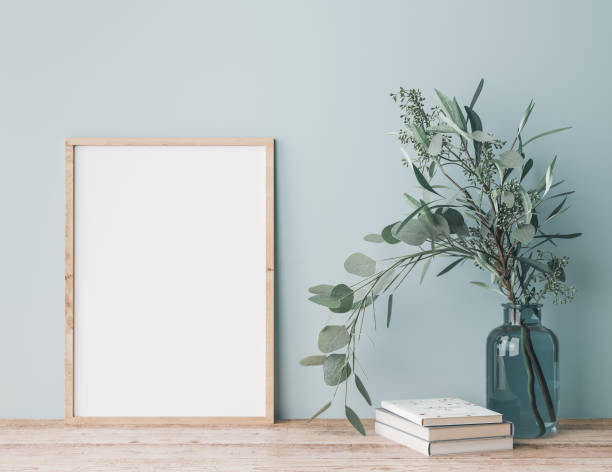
523	372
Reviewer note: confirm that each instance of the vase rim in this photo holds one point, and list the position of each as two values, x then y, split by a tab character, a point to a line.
522	305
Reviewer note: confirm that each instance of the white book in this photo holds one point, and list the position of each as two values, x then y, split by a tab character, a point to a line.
441	411
436	448
443	433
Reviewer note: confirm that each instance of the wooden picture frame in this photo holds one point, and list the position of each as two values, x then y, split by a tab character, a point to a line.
71	147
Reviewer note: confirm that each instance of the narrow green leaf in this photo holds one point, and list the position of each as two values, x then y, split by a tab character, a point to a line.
548	180
389	309
369	299
535	264
543	182
312	360
332	338
323	289
448	107
458	113
325	300
526	168
557	208
425	269
423	181
360	264
383	282
419	135
483	285
477	93
525	117
362	390
557	184
320	410
387	234
558	130
560	194
354	419
440	129
527	205
559	236
432	169
335	369
475	125
450	267
456	127
374	238
413	201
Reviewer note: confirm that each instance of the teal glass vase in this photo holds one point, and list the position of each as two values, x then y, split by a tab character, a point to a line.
523	372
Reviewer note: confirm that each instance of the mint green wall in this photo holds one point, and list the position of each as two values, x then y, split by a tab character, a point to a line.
316	76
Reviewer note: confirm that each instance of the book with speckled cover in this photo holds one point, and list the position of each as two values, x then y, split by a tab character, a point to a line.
441	411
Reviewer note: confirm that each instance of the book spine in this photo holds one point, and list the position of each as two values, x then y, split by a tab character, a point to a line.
397	422
402	438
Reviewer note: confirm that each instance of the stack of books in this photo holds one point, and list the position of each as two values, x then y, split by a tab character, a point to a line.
443	426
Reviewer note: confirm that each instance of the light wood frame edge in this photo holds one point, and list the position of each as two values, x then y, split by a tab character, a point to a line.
69	417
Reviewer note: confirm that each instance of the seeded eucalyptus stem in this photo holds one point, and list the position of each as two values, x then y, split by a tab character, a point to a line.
446	143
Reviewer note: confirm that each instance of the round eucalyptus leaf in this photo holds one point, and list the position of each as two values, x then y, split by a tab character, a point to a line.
387	234
508	198
323	289
482	137
326	300
435	145
435	226
344	298
335	369
360	264
524	233
312	360
413	233
332	338
511	160
455	221
374	238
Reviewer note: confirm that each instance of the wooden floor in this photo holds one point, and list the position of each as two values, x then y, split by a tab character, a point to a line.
325	445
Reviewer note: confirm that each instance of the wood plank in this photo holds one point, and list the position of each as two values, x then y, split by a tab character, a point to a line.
324	445
169	141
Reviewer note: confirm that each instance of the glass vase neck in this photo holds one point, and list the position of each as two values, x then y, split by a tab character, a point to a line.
522	314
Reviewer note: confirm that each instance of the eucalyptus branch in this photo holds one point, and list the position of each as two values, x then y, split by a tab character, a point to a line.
495	240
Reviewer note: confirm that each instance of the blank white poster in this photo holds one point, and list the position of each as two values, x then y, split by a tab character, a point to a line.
170	281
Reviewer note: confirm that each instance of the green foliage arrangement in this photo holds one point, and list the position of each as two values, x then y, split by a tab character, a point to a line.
480	209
